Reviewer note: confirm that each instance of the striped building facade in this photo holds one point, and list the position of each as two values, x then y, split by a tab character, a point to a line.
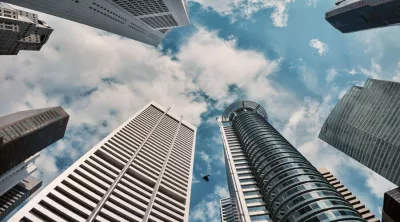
142	171
364	125
147	21
17	194
269	179
347	195
228	210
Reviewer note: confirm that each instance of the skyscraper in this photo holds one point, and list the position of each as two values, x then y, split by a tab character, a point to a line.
269	178
28	132
347	195
356	15
21	30
228	210
142	171
17	194
364	125
391	206
147	21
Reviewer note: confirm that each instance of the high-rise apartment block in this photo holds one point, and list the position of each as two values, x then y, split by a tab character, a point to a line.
142	171
356	15
347	195
28	132
17	194
147	21
391	206
228	210
21	30
269	178
364	125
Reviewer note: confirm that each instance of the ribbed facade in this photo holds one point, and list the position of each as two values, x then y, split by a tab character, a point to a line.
228	210
17	194
147	21
273	173
140	172
347	195
364	125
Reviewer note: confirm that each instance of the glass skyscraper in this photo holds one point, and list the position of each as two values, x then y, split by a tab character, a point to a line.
365	126
269	178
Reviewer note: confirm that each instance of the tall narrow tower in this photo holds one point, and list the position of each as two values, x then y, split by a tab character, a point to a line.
269	178
147	21
142	171
365	126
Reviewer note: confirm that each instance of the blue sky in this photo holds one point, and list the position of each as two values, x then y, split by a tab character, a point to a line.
279	53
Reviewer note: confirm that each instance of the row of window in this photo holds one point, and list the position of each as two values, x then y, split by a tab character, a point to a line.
22	127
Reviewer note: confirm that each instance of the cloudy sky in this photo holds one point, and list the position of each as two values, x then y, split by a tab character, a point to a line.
279	53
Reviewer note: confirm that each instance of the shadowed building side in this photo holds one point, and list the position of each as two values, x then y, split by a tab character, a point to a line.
356	15
391	206
27	133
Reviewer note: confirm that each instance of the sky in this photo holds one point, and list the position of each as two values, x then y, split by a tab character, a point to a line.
281	54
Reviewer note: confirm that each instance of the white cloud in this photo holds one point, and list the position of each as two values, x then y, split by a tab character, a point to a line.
208	209
331	74
246	8
377	184
374	71
206	158
351	72
320	46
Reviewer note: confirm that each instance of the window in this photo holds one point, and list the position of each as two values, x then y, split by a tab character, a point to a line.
257	208
249	186
251	193
245	175
241	164
259	217
255	200
242	170
246	180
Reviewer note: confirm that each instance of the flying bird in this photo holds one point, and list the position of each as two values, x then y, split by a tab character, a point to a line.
206	178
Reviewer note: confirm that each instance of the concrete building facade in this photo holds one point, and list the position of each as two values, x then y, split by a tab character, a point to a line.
147	21
228	210
364	125
142	171
268	178
347	195
21	30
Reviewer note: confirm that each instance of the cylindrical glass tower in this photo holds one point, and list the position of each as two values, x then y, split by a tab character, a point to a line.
291	187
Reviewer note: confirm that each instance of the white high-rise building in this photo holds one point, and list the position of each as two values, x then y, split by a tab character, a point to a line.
147	21
142	171
21	30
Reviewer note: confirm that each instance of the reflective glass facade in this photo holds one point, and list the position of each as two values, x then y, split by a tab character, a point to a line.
364	125
288	185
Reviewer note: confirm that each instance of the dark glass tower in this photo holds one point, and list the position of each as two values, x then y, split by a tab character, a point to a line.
356	15
23	134
270	177
365	126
